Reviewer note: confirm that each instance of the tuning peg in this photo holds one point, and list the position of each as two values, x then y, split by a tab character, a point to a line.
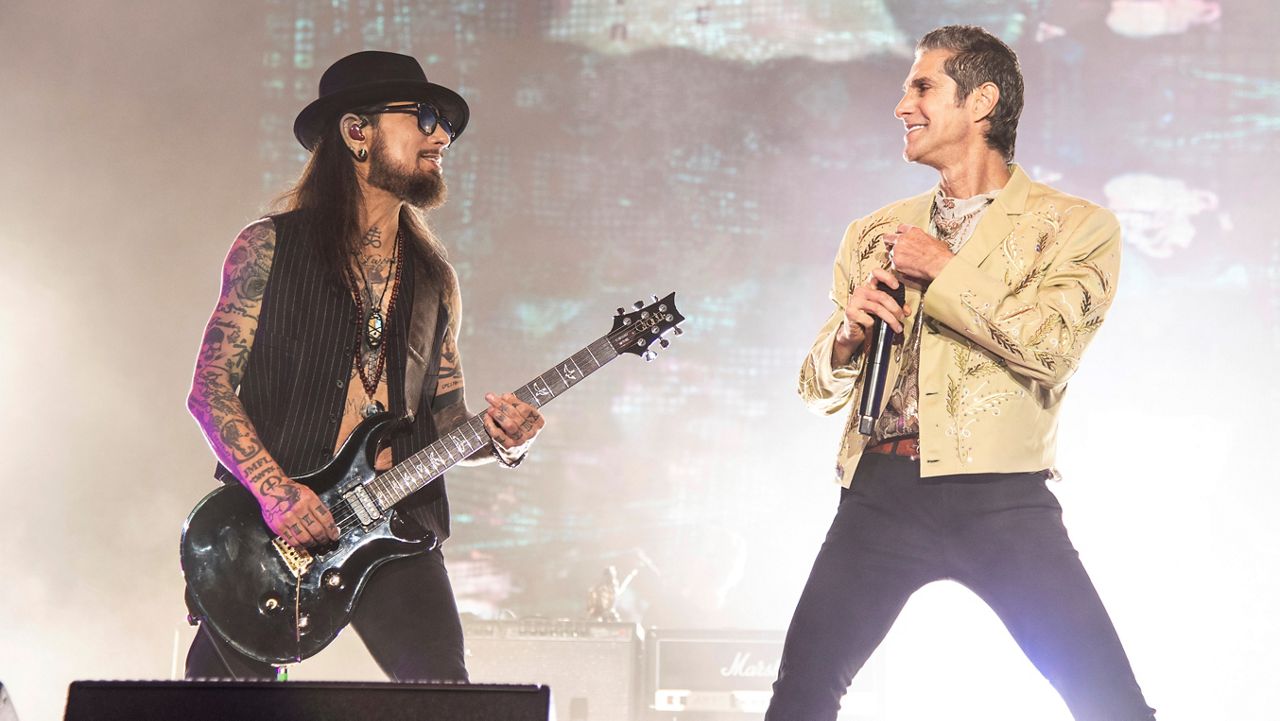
664	342
648	355
638	304
677	331
621	310
656	298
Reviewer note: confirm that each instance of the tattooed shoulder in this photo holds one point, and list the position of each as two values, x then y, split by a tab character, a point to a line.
248	263
228	338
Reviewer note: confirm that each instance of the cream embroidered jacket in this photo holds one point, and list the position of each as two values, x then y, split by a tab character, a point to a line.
1005	325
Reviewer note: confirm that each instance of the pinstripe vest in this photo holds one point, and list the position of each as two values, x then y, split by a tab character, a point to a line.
295	383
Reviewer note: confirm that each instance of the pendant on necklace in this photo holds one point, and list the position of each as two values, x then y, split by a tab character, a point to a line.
373	328
372	408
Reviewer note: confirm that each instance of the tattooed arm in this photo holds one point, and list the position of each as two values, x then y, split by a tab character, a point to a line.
290	509
510	422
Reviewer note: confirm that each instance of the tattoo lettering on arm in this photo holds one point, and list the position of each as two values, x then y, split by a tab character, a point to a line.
450	378
256	465
224	357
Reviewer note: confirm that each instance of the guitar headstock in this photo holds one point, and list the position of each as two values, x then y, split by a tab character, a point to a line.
641	331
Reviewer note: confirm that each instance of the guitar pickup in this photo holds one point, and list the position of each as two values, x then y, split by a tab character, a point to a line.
363	506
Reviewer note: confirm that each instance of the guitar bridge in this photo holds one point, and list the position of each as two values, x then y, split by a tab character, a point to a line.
297	561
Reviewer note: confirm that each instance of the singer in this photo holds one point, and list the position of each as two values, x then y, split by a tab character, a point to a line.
1006	281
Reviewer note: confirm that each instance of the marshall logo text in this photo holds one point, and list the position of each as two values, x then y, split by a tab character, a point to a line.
744	667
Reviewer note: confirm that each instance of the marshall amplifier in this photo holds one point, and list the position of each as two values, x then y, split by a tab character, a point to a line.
593	668
728	675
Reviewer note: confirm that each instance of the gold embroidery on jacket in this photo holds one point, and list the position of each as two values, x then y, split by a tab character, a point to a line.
1038	325
966	405
867	248
870	245
1029	253
870	240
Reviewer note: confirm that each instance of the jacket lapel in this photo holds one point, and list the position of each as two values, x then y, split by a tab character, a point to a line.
997	223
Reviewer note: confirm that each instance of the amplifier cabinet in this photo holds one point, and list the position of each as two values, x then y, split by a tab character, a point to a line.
593	668
728	675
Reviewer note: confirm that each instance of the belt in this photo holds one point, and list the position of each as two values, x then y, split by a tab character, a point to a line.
903	447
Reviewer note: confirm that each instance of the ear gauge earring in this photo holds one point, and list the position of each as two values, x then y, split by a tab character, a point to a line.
361	155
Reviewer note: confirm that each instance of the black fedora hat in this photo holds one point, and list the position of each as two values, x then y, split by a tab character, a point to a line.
369	77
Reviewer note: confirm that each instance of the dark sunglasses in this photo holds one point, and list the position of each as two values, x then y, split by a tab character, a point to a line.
428	117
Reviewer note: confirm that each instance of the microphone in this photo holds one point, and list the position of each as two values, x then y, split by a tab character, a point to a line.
877	365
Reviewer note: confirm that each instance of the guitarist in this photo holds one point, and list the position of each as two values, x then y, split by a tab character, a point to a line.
338	308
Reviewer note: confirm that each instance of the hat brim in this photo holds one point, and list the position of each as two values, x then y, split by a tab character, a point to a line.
309	125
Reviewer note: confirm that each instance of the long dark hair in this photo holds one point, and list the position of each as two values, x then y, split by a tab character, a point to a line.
328	194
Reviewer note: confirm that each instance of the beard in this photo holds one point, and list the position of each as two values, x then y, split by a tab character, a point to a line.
425	190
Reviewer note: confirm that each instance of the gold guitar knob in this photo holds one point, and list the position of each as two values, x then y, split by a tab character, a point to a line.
270	603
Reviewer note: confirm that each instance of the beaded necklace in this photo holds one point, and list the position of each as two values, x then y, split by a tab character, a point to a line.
370	327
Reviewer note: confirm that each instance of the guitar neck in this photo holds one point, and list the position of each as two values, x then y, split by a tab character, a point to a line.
431	462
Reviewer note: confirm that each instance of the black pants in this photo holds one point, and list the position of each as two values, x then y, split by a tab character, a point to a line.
406	617
1001	535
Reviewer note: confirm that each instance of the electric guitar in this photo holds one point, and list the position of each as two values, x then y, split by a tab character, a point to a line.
281	605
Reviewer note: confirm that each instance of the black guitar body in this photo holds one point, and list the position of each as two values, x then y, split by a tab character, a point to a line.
242	579
281	606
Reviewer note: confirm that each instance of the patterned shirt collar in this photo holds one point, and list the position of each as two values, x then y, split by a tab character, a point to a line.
954	219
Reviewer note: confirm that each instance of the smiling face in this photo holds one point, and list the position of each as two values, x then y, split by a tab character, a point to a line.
407	163
939	133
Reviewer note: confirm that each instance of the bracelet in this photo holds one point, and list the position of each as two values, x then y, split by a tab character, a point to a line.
503	459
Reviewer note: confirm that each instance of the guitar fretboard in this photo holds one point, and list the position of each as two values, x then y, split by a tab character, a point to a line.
431	462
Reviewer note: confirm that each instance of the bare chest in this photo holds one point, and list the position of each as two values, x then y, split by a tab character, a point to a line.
359	404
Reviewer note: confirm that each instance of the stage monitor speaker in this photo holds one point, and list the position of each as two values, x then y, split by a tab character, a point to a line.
302	701
593	668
